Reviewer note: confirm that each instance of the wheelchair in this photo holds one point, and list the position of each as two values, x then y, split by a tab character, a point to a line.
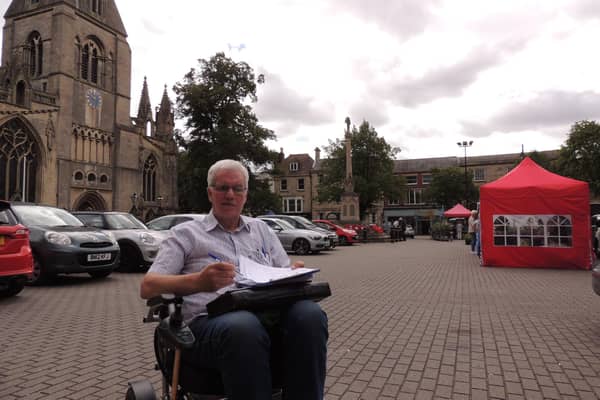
180	381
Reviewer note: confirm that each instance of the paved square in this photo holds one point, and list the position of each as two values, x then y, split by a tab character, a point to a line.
411	320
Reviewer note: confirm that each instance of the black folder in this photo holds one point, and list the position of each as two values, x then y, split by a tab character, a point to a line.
267	298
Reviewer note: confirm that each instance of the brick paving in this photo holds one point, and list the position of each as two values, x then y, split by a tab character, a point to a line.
411	320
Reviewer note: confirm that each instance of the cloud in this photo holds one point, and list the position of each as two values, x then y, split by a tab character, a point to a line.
585	9
152	27
550	111
281	105
405	18
371	110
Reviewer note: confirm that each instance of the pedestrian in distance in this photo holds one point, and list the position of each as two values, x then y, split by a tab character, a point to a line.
471	229
459	229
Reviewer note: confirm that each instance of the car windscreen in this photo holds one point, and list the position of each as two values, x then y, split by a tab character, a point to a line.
124	221
45	216
305	222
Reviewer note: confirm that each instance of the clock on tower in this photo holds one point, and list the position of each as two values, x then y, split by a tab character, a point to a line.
94	98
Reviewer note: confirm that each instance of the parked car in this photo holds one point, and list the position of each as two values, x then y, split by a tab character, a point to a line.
299	222
138	244
16	261
409	232
345	236
166	222
62	244
300	241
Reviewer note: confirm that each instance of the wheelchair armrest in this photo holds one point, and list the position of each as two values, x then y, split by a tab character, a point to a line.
159	306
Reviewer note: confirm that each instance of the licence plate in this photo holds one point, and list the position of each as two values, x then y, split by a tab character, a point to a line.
98	257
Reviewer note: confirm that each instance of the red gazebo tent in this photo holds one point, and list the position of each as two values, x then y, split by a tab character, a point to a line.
534	218
458	211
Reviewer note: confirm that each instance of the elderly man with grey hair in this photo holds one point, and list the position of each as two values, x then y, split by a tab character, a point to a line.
199	258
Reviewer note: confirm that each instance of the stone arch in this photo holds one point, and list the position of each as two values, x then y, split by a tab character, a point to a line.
21	160
90	201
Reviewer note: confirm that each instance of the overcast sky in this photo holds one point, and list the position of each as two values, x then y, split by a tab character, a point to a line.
424	73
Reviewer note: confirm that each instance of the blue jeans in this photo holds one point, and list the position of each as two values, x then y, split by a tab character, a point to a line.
239	345
478	243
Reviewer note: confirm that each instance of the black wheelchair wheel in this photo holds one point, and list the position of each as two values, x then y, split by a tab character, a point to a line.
140	390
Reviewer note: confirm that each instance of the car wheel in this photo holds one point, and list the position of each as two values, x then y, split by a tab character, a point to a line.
39	275
301	247
131	258
14	288
99	274
343	241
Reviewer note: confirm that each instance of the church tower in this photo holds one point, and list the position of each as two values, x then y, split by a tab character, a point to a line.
65	89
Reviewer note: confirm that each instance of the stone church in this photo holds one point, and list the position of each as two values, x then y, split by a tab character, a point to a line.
66	134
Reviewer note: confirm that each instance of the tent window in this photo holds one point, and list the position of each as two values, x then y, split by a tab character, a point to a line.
533	230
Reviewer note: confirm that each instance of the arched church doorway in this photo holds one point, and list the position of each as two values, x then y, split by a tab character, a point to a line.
90	201
19	161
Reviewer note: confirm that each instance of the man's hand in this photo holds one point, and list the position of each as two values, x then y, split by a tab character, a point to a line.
298	264
215	276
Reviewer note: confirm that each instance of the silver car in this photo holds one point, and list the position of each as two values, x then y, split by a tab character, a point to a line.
299	222
166	222
300	241
139	245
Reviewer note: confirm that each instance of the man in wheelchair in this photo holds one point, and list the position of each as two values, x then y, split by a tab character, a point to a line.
199	261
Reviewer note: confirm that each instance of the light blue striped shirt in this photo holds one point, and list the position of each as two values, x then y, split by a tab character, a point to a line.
188	246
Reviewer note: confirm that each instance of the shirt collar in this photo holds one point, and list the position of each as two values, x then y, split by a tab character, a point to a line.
211	222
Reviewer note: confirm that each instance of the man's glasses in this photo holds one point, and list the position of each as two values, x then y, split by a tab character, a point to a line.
237	189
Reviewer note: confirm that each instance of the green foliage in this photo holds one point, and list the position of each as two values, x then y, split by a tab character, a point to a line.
579	157
441	231
372	168
447	187
215	102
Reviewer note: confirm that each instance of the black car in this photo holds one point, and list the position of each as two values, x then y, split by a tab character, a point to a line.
62	244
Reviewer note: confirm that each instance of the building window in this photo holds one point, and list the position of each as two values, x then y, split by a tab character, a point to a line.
97	6
301	184
91	63
283	185
533	230
18	162
479	174
103	178
34	54
91	177
394	202
149	179
78	176
293	205
426	179
414	196
411	179
294	166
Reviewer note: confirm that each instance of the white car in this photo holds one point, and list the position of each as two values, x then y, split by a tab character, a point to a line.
166	222
138	244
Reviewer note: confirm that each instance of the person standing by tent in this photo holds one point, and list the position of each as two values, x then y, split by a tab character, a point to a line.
471	229
459	229
477	232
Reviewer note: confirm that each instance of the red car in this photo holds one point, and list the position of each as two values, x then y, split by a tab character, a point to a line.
345	235
16	261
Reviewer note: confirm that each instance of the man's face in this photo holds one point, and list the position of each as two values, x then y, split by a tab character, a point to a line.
228	203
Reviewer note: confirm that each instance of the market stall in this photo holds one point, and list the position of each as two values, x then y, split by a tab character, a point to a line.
534	218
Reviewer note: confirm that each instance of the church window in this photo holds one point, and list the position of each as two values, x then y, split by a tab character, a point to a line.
97	6
149	179
34	51
78	176
91	177
103	178
91	62
18	162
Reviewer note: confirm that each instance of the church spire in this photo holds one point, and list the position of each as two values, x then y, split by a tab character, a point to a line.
144	110
164	117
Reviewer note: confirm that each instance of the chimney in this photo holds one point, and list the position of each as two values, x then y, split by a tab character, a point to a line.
317	154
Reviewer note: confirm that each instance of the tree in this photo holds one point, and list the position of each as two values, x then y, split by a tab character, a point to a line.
579	157
447	187
215	101
372	169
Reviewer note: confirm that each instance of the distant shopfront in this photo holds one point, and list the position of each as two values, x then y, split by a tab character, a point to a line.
421	219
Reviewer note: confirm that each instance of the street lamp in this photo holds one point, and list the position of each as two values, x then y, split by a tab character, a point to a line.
464	144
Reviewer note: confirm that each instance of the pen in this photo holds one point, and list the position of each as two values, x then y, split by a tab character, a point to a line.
214	257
